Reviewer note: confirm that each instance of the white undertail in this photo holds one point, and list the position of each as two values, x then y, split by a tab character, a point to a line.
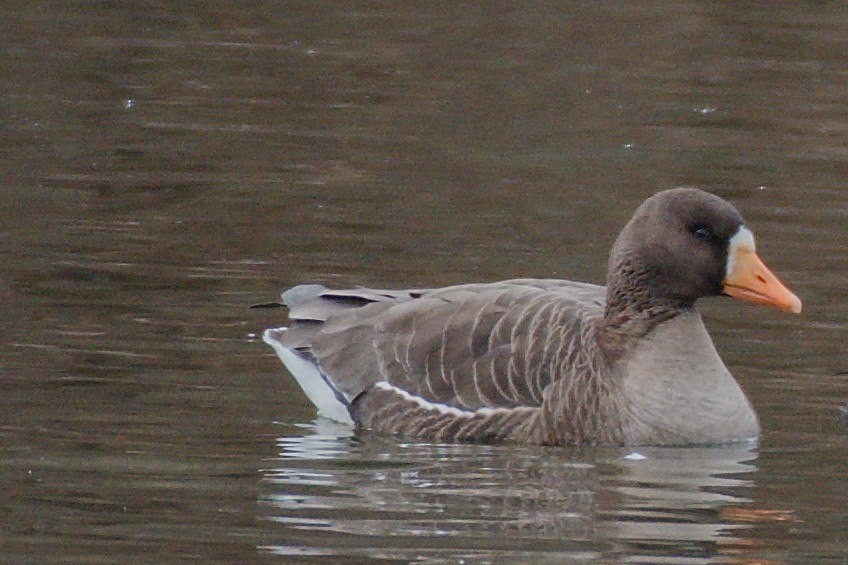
310	379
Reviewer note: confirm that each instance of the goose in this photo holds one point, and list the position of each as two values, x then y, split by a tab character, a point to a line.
543	361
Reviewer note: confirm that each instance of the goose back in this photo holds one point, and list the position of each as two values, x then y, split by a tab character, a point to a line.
462	363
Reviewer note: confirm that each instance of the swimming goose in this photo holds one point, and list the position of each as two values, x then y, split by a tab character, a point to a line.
549	362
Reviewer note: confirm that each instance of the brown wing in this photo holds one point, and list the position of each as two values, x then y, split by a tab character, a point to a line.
496	345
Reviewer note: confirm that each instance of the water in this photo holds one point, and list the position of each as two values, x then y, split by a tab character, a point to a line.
165	166
429	503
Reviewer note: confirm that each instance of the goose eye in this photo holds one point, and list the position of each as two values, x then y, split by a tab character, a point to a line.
702	232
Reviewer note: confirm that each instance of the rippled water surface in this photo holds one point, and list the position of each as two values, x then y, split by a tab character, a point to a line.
165	165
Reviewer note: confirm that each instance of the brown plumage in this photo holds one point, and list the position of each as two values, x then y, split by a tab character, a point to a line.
545	361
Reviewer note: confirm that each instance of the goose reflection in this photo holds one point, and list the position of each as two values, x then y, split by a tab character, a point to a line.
335	494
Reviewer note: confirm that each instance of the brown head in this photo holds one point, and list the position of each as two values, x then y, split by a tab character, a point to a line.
684	244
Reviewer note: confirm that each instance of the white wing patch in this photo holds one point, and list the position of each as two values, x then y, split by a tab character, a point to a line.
443	409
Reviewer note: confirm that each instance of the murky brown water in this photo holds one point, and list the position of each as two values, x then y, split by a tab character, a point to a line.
166	165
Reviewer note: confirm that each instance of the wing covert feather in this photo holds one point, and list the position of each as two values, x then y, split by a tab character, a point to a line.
494	345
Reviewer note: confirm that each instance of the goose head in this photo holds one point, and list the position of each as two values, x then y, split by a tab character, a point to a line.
684	244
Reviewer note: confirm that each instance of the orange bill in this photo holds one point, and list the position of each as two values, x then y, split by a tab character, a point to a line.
749	279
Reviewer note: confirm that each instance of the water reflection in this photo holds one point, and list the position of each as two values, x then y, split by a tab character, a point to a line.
338	495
